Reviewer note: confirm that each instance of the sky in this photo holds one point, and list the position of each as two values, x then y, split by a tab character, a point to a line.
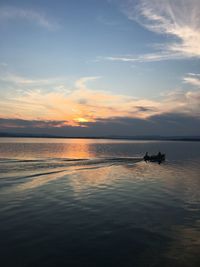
100	67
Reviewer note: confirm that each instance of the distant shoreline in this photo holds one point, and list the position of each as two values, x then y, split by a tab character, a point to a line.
136	138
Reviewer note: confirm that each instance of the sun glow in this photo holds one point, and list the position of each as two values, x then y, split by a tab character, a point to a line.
82	120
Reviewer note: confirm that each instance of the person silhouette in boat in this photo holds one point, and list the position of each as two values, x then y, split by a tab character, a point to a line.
146	156
159	157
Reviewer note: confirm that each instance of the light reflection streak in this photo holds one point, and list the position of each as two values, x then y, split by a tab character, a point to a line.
80	178
91	178
78	150
42	180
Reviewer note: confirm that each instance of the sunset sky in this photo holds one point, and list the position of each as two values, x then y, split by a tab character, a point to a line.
100	67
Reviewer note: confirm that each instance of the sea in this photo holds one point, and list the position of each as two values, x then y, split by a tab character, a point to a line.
96	203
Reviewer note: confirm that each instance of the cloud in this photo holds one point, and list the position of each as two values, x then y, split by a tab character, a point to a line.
20	123
193	79
178	21
77	106
12	13
165	124
81	83
80	105
145	58
183	102
13	78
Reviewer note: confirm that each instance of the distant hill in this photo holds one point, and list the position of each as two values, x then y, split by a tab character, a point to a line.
154	137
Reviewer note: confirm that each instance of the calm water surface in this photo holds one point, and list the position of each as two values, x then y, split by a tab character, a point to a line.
82	202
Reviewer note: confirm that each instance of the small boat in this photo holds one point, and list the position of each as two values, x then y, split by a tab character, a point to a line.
154	158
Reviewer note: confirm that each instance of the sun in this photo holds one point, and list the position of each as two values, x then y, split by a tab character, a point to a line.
81	120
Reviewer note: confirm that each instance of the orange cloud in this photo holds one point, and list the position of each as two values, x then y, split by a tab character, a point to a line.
81	105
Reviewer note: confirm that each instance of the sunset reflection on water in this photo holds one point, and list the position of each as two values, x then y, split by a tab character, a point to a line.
81	149
31	148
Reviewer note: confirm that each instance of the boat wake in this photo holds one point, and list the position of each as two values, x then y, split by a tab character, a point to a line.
16	170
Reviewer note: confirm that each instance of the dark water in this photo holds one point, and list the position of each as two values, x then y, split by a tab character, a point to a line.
95	203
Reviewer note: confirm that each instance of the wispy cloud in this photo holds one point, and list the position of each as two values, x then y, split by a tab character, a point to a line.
13	13
193	79
178	20
144	58
21	84
81	83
